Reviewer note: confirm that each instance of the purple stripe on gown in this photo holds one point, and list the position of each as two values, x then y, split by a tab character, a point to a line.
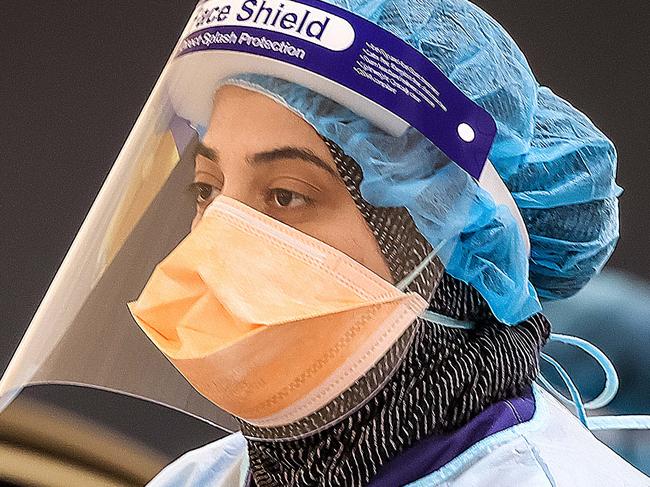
434	452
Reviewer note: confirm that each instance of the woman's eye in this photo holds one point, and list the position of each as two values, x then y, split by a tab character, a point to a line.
203	193
284	198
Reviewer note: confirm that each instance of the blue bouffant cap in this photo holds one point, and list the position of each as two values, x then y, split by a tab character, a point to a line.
559	168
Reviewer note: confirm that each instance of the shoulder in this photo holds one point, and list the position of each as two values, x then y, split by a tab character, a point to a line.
217	464
572	455
553	449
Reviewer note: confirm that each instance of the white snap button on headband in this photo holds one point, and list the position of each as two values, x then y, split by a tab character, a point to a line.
466	132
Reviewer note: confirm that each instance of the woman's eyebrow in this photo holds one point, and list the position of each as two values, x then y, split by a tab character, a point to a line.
292	153
203	150
274	155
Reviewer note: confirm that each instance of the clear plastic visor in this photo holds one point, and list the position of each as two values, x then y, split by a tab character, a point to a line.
165	177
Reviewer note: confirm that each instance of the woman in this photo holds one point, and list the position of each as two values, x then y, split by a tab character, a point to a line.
360	300
459	408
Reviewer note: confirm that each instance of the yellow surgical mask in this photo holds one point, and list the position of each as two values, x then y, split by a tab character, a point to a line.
266	322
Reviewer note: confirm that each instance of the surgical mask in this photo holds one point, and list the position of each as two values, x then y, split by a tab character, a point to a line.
266	322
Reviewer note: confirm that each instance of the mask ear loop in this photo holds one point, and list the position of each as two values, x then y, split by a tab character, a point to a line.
408	280
428	315
200	130
598	423
610	388
611	377
570	385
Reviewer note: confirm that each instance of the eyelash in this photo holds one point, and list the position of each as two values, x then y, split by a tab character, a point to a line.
273	194
197	187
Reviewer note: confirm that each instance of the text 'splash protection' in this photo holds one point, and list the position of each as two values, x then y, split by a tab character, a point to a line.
356	54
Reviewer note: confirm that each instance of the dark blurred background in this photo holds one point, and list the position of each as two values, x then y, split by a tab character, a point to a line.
75	74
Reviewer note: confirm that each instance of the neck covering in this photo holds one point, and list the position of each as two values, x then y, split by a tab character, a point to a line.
447	377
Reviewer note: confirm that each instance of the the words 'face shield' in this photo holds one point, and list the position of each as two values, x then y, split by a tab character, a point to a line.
273	163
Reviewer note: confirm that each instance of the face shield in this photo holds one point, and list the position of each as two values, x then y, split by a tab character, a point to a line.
235	128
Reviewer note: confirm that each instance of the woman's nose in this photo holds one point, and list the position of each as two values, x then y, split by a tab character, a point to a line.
238	190
245	192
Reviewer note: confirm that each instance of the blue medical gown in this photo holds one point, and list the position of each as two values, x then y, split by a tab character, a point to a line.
551	449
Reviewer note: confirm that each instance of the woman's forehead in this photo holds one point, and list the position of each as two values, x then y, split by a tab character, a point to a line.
246	120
